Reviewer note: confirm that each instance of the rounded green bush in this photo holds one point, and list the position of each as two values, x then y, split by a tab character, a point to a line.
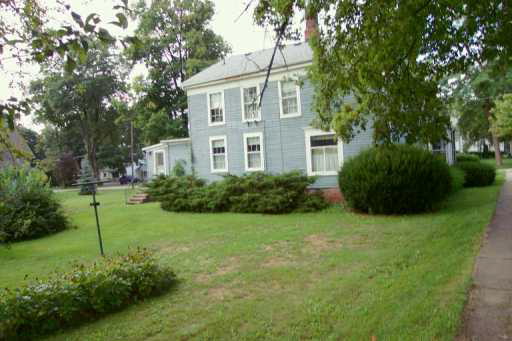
477	174
467	158
28	208
395	179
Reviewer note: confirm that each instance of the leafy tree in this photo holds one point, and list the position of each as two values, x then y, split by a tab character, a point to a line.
176	43
82	99
474	98
26	36
503	116
32	139
391	56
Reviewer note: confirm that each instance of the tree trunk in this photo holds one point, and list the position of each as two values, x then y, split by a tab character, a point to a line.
495	141
91	156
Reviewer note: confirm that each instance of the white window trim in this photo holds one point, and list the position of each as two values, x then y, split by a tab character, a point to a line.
220	137
210	123
262	151
310	132
154	161
299	109
243	104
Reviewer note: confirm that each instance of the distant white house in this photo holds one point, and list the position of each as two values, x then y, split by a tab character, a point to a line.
139	169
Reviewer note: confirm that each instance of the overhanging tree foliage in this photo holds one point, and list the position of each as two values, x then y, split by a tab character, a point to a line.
176	43
392	56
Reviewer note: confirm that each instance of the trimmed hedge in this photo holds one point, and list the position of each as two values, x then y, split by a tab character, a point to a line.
467	158
395	179
458	178
85	293
252	193
477	174
28	207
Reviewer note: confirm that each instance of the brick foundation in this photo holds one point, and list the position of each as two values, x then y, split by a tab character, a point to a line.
332	195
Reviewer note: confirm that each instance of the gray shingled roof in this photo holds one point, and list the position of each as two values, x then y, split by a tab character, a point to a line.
242	64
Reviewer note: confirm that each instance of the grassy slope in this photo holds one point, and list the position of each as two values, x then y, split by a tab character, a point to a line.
327	275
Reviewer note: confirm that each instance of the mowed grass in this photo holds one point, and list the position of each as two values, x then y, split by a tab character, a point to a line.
506	163
327	275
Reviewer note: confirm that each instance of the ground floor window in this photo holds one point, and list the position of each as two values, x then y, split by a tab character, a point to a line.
218	154
159	163
324	153
253	149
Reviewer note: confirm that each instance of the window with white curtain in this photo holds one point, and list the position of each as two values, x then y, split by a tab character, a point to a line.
218	154
289	98
324	153
250	103
159	163
253	148
216	108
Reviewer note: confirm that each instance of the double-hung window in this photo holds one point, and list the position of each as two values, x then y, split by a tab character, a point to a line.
218	154
324	153
216	108
159	162
253	149
250	104
289	97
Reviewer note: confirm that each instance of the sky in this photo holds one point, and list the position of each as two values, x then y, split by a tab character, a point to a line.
242	35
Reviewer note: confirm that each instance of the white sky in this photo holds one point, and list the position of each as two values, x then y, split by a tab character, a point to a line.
242	34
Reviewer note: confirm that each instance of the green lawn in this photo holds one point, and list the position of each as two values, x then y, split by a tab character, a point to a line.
328	275
507	163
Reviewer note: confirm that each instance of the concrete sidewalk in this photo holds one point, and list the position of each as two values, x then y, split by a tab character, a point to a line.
488	315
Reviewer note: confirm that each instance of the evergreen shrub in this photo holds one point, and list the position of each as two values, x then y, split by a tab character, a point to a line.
477	174
28	207
395	179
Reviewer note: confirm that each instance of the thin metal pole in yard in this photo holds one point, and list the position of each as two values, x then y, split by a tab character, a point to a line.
133	171
95	204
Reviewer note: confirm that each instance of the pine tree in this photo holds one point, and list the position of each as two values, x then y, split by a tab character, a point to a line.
85	177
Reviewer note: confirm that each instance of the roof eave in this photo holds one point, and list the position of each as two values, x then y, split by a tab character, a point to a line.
245	76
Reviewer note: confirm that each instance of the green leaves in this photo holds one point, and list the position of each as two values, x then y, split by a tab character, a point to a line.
391	56
77	18
122	21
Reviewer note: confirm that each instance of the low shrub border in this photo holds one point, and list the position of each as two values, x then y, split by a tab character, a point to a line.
395	179
253	193
85	293
477	174
467	158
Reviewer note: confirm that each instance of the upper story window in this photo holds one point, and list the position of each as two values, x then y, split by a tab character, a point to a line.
289	98
253	148
218	154
216	108
250	104
324	153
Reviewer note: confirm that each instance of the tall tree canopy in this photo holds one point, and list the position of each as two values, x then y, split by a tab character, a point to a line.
175	44
82	99
392	56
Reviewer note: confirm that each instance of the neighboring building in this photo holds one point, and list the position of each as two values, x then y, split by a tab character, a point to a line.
139	169
8	156
230	134
106	174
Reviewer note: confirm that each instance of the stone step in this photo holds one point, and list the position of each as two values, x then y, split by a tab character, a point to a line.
138	198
